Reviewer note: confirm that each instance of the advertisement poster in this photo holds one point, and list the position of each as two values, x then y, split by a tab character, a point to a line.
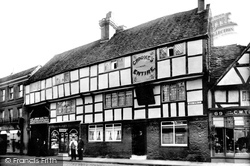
143	67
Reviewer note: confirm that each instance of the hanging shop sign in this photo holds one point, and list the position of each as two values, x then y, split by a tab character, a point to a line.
39	120
143	67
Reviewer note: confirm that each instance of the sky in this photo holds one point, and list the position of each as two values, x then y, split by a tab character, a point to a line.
33	31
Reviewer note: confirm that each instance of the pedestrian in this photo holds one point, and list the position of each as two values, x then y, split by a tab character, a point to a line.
38	147
73	148
80	148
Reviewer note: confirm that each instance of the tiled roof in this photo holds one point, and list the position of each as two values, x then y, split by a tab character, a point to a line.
167	29
17	75
221	58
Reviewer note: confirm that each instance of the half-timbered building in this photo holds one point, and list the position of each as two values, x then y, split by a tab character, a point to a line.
141	92
229	104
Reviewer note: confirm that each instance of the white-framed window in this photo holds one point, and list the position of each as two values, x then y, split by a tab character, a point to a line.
11	93
118	99
113	132
174	133
173	92
20	90
114	64
95	133
2	95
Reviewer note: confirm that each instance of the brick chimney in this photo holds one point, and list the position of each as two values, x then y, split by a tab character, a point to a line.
201	5
107	27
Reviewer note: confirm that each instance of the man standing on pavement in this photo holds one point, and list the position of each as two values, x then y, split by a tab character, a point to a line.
80	148
73	148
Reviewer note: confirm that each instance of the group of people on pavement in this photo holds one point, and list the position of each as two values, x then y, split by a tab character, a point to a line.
76	148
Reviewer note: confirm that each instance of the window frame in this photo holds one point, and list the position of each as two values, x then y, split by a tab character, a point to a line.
2	95
11	93
167	92
95	133
20	90
113	129
174	124
128	99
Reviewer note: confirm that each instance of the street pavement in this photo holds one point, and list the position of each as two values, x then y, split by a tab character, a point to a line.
23	160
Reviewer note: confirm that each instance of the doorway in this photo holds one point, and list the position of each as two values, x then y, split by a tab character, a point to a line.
139	139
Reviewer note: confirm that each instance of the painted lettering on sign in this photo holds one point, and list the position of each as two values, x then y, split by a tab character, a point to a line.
38	120
144	67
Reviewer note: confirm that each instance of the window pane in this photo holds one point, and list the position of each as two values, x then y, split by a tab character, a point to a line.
109	133
66	77
230	141
181	134
173	92
181	91
120	63
165	93
241	141
167	135
163	53
218	122
99	132
128	98
180	49
114	100
218	141
108	100
121	98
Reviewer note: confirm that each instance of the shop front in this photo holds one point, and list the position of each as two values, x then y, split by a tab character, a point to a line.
230	135
11	134
60	135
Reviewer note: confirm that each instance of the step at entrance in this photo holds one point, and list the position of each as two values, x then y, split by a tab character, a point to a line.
138	157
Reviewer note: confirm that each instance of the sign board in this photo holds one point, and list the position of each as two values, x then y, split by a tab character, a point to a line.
143	67
39	120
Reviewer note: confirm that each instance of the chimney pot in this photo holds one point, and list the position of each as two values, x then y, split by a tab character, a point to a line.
201	5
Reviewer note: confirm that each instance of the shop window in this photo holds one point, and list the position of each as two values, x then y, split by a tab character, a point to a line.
20	91
113	132
173	92
174	133
95	133
2	95
118	99
232	135
11	93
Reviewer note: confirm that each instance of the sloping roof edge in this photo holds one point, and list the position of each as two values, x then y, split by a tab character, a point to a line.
231	65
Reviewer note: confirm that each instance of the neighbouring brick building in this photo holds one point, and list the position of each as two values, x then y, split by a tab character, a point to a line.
13	115
140	93
229	104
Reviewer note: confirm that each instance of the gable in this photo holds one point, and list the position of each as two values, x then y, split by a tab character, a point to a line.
239	72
